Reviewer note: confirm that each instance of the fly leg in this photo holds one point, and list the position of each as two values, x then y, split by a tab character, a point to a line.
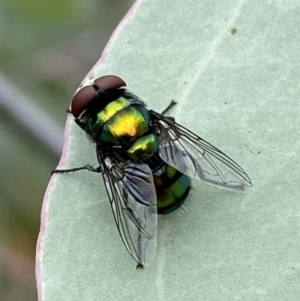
171	104
86	167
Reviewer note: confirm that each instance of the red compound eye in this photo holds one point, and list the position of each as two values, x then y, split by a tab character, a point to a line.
110	82
83	98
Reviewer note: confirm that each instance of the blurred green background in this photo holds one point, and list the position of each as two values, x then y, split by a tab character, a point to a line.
46	49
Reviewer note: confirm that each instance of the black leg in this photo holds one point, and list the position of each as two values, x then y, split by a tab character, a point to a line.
87	167
171	104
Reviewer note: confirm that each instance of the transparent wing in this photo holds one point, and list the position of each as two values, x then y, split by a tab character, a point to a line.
197	158
132	196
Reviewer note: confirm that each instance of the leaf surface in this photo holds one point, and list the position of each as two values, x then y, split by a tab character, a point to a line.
233	68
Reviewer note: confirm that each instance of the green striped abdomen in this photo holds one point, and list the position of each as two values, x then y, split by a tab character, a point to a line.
172	188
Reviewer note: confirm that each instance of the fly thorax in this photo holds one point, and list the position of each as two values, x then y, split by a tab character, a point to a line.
97	118
113	120
123	127
143	147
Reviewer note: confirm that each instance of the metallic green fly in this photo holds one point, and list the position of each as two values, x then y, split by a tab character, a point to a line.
146	160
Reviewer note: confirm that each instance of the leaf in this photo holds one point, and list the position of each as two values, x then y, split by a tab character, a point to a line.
233	68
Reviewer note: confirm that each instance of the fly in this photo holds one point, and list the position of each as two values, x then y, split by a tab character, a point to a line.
146	160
